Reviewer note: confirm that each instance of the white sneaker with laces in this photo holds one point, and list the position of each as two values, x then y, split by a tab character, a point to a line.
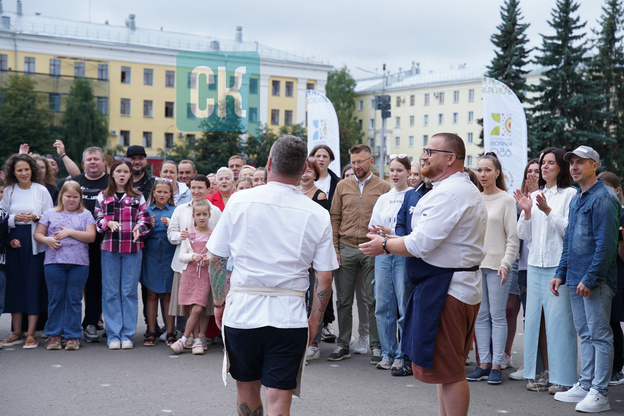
313	353
396	364
362	345
574	395
593	402
517	375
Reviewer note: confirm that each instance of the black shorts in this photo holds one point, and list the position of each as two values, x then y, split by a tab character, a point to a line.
271	355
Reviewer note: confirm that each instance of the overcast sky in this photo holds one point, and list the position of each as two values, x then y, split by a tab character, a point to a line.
359	34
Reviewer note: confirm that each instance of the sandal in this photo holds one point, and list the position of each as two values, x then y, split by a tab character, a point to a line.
150	339
13	339
31	342
171	338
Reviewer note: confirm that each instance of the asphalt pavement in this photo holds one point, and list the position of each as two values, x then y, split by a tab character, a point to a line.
154	381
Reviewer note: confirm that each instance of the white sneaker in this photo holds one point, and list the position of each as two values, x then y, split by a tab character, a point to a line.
593	402
362	345
506	362
313	353
126	344
114	345
396	364
517	375
574	395
384	365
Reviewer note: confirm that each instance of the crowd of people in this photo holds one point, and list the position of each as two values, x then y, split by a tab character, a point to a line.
551	248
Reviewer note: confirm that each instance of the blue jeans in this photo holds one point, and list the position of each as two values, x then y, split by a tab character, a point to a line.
390	308
491	325
65	284
120	301
560	333
591	320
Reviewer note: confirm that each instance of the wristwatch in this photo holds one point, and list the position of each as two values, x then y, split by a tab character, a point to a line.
383	245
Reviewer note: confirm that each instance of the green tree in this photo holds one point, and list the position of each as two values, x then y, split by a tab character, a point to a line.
607	69
511	54
221	138
257	148
83	124
568	112
340	90
24	117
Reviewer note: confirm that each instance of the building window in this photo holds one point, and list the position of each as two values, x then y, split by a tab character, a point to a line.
469	160
102	104
398	101
426	120
124	138
253	86
455	96
425	140
397	121
125	107
410	141
170	79
440	118
426	99
470	116
55	67
469	138
441	98
169	109
411	121
148	76
455	118
360	105
288	117
275	88
470	96
371	125
290	89
190	139
397	141
55	102
275	117
253	115
147	139
4	62
189	111
371	142
29	65
126	73
412	100
373	104
360	122
310	86
79	69
102	72
148	108
191	81
169	143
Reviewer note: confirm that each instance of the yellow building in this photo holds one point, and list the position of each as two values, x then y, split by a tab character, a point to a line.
133	74
423	104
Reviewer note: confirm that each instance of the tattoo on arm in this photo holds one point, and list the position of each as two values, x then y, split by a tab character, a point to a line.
219	277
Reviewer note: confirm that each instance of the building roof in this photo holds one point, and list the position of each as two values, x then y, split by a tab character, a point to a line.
54	27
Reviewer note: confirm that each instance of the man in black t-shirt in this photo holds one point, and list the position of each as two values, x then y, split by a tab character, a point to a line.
93	181
142	180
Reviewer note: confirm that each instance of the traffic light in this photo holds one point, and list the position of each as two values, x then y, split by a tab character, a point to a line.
383	104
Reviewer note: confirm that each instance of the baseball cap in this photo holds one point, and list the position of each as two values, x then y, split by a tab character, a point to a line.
135	149
584	152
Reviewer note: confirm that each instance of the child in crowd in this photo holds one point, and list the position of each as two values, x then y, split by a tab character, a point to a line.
156	272
244	183
67	230
195	281
121	215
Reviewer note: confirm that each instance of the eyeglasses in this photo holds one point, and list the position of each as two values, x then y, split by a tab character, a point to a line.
395	156
427	151
162	179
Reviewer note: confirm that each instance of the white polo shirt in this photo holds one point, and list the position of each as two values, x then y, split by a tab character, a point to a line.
273	234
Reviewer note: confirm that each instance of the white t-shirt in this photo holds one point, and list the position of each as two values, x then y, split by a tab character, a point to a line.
448	230
273	234
324	184
387	207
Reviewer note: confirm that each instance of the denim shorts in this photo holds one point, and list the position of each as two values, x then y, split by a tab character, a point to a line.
271	355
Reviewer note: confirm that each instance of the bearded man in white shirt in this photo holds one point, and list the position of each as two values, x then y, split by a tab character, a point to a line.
274	234
444	251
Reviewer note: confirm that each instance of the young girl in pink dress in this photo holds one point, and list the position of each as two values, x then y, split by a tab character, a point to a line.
195	280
